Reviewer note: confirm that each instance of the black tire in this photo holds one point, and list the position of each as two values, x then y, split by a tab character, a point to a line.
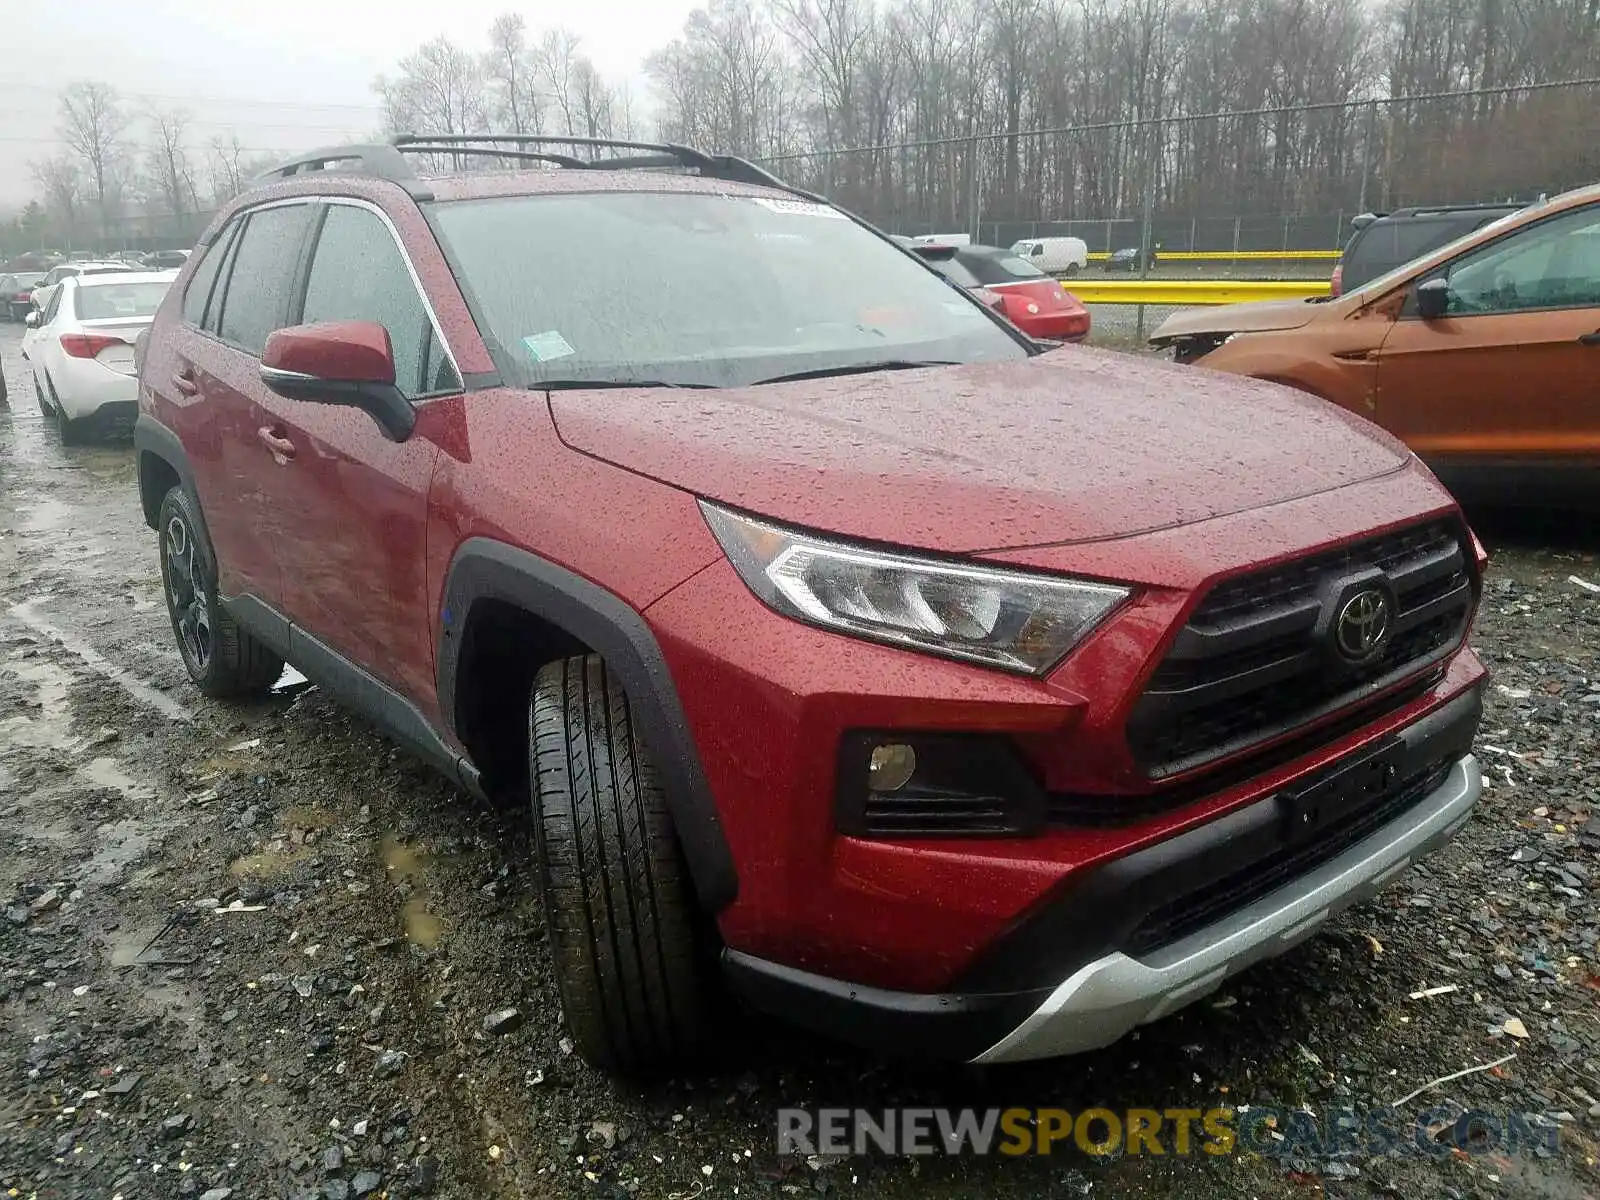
628	956
1072	270
223	660
69	431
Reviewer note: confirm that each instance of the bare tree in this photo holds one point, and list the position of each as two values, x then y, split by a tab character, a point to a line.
512	78
92	124
592	98
439	89
557	58
62	180
170	167
225	166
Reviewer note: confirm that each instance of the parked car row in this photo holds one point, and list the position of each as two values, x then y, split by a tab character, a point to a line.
1482	354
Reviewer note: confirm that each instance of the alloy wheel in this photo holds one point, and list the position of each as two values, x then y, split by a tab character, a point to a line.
186	595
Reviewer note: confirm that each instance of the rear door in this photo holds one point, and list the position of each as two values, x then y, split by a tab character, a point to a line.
1511	370
352	503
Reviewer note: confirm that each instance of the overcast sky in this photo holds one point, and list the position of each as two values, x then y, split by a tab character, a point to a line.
284	74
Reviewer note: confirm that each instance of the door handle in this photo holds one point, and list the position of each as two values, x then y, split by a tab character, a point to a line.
282	448
184	381
1590	339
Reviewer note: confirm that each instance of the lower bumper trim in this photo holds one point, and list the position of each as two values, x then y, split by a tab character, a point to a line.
1110	996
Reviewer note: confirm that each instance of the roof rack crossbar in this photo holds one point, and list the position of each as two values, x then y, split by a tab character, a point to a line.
431	147
380	159
388	160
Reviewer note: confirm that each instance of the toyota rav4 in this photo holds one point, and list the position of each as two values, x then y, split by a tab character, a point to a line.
855	653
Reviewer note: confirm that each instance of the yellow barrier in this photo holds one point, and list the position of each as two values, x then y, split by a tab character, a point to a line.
1192	291
1235	255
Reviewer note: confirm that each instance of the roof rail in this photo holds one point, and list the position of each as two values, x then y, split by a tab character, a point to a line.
388	160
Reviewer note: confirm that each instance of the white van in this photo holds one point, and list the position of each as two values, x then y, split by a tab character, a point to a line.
1054	255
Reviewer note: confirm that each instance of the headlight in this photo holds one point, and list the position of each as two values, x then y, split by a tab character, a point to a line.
1005	619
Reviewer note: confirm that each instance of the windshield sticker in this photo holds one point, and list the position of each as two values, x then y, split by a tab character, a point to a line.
542	347
800	208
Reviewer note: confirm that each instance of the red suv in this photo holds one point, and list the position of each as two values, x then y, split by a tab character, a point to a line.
854	652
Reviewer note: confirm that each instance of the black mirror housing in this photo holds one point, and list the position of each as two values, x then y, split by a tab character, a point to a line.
1433	298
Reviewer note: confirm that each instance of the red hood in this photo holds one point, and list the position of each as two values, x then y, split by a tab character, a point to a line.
1073	445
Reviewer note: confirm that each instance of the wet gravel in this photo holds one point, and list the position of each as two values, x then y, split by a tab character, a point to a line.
260	952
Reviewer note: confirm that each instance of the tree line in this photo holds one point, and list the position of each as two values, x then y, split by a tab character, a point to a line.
792	80
120	160
935	100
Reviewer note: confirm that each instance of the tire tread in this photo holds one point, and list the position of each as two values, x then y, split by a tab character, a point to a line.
617	896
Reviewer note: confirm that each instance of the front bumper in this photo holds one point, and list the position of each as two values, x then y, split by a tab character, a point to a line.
1111	995
1145	934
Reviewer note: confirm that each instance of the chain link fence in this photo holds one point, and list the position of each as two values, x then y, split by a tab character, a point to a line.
1286	178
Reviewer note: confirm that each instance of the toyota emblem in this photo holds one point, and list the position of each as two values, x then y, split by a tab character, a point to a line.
1363	624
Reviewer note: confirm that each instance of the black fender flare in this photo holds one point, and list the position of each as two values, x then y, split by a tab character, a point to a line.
484	569
155	439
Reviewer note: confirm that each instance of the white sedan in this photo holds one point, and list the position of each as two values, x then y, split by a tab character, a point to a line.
80	348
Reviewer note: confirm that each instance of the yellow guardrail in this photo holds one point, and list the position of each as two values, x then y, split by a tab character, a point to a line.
1235	255
1192	291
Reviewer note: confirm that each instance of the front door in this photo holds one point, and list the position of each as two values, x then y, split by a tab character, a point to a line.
219	363
351	504
1509	373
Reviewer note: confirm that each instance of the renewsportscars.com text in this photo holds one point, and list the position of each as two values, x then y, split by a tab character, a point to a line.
1266	1131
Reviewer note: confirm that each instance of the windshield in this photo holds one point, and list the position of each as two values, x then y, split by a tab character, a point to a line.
700	290
1001	268
118	300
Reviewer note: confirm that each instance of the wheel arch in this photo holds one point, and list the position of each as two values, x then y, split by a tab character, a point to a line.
489	587
161	464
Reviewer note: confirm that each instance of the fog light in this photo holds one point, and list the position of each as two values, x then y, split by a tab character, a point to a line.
890	767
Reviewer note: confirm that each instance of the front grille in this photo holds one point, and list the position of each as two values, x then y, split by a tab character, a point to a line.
1249	668
1196	909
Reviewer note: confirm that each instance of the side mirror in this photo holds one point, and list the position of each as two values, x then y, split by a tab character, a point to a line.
32	319
340	362
1433	298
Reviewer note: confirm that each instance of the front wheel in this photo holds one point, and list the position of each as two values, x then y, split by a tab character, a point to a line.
628	955
223	660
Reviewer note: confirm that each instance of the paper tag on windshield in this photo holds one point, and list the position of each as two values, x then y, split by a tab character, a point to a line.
542	347
800	208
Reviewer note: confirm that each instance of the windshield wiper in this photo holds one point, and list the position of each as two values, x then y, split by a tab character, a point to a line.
888	364
571	385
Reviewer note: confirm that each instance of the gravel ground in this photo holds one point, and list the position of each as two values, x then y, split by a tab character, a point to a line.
324	1034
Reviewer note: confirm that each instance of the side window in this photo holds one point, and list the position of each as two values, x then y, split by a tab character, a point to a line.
1553	264
1038	250
205	275
256	300
53	307
359	274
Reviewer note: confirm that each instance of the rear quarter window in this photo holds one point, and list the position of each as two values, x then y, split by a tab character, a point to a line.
205	276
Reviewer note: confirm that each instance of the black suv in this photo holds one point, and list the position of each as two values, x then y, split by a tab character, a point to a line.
1383	241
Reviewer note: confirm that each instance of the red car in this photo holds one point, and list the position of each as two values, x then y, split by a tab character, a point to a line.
1034	302
850	649
16	293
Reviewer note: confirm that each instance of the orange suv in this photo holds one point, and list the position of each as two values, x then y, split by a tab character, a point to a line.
1483	355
